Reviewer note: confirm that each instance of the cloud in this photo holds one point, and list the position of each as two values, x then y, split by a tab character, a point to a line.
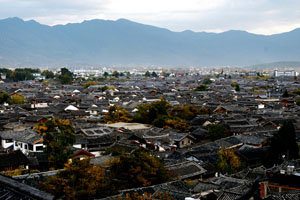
258	16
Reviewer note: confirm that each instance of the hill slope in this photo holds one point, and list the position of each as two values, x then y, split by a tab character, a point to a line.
101	42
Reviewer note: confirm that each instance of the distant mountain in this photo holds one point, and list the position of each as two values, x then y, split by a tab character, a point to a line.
277	65
123	42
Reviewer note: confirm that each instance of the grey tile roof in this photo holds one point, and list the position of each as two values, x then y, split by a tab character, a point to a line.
12	189
27	136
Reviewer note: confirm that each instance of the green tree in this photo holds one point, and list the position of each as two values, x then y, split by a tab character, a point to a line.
217	131
4	98
58	137
142	114
283	144
6	72
201	88
116	74
237	88
137	170
285	94
159	110
104	88
147	74
66	76
207	81
228	161
154	74
105	74
78	180
48	74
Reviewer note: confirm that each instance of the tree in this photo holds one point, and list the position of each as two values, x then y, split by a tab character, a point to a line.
138	169
105	74
297	91
201	88
159	110
178	124
298	101
228	162
147	74
285	94
89	83
142	114
103	88
207	81
78	180
283	144
66	76
154	74
6	72
116	74
187	112
4	98
48	74
117	114
217	131
16	99
237	88
58	137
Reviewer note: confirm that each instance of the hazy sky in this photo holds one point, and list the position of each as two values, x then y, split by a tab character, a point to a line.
256	16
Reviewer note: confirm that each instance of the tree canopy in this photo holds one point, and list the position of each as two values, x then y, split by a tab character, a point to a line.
217	131
78	180
58	137
228	161
48	74
138	169
201	88
117	114
283	144
66	77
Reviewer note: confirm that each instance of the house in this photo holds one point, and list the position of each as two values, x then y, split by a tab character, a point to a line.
182	140
26	140
11	160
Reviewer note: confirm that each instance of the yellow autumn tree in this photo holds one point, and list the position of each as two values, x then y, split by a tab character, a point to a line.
79	180
178	124
89	83
16	99
117	114
228	161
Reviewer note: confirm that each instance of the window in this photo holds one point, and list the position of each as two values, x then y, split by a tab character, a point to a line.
39	148
9	141
25	146
31	147
182	142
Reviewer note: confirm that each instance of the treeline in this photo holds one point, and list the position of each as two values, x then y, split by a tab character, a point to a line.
19	74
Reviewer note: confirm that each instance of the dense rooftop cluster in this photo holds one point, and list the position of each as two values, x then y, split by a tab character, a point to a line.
214	135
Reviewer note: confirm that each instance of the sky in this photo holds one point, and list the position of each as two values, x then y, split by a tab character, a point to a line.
255	16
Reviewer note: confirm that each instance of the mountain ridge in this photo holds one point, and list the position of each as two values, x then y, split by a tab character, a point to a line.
124	42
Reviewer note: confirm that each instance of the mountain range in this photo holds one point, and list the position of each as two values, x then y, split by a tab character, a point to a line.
124	42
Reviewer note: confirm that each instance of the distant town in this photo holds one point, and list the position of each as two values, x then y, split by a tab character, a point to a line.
149	133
